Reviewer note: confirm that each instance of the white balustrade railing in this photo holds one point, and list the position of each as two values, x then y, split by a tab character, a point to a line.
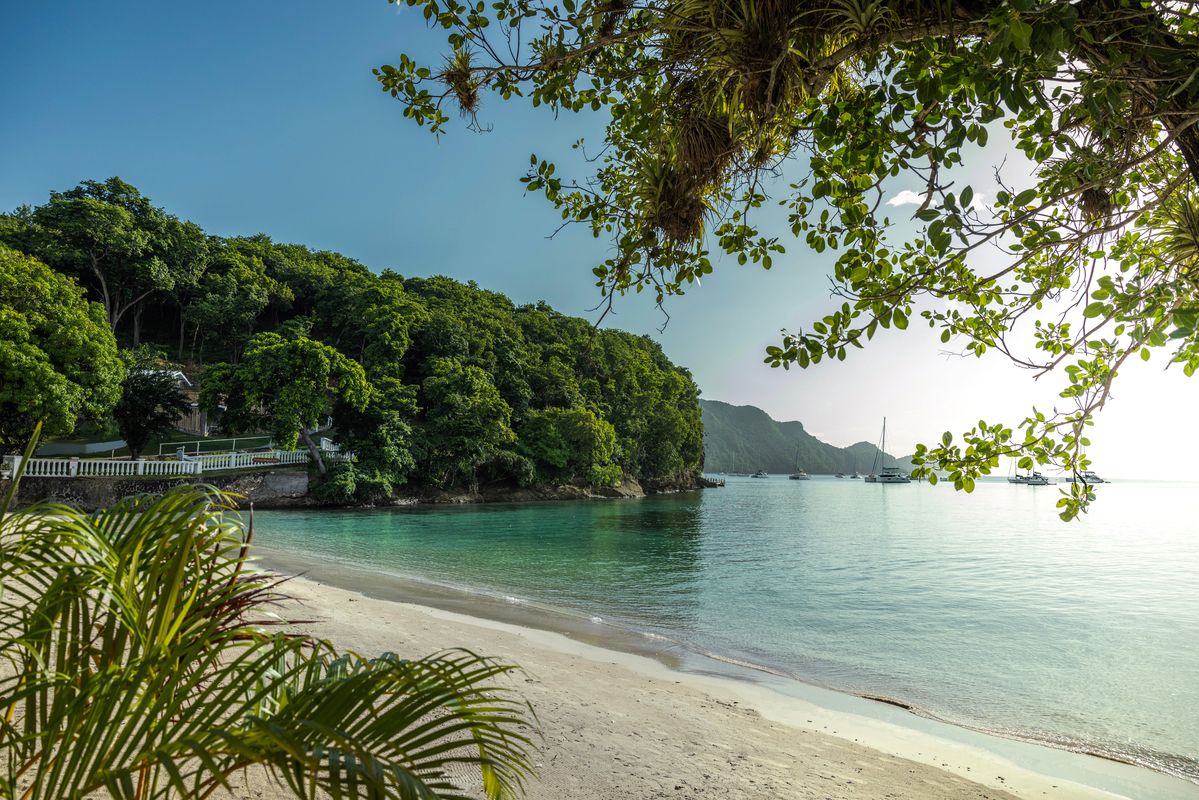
165	468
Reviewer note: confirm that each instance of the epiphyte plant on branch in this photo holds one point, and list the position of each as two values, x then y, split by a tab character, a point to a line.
1085	260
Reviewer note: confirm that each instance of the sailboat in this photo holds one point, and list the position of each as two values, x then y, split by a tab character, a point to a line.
799	474
886	474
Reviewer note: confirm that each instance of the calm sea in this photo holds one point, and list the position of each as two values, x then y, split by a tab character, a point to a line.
983	610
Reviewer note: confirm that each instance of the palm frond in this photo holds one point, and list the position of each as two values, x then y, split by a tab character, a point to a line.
135	657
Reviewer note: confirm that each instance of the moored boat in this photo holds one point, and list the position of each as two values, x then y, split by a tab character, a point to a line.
800	474
885	474
760	474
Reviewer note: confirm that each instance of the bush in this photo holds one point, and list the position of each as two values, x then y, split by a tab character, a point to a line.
339	487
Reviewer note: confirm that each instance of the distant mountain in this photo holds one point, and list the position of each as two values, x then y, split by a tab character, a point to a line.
746	439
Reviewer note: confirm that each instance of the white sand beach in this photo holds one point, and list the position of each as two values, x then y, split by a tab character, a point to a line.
624	726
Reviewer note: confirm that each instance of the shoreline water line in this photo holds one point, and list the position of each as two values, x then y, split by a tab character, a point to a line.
1068	761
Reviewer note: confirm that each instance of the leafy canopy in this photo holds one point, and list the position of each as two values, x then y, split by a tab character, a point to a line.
466	421
58	359
113	238
286	385
397	330
1081	261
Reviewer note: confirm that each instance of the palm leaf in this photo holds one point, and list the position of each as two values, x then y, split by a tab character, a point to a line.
135	657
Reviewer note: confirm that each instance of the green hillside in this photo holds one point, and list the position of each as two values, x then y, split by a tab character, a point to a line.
746	439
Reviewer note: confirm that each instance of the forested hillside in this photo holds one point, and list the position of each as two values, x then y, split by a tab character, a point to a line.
746	439
431	381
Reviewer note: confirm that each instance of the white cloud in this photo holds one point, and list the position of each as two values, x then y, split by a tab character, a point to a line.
906	198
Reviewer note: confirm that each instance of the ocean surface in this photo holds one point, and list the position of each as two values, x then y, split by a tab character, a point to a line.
983	610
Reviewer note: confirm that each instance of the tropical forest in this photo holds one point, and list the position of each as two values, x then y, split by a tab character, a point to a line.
431	383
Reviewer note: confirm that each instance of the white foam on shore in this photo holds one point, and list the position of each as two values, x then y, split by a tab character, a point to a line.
800	704
973	763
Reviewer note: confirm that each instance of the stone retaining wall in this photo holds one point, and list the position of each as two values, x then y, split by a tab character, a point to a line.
265	489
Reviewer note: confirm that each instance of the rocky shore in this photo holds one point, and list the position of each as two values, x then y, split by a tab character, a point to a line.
291	488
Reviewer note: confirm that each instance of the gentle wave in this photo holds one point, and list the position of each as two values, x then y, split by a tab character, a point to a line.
986	612
1170	764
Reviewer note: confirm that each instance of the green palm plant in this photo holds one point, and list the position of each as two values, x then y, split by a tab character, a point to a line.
137	658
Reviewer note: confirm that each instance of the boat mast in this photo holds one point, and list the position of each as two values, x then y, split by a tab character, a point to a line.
879	457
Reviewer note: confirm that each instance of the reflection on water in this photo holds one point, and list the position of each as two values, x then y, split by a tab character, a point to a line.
983	609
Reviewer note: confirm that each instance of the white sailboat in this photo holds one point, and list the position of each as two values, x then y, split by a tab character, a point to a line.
799	474
886	474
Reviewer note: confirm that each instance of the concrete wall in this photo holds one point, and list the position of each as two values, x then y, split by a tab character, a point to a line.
265	489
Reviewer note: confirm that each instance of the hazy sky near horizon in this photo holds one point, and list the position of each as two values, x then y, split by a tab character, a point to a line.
264	117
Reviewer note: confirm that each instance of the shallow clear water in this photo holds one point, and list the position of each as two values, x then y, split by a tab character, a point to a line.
984	610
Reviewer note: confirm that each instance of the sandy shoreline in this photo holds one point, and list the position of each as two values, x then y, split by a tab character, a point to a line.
619	725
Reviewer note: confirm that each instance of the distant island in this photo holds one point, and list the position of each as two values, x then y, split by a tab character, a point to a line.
747	439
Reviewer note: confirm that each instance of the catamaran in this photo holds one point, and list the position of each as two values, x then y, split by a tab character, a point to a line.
886	474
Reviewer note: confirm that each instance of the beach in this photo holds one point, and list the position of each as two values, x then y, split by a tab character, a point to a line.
619	725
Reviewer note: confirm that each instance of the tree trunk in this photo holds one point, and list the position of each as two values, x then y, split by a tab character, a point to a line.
137	325
314	451
182	332
109	311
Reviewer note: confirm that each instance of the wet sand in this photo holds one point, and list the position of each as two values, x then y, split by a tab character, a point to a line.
621	725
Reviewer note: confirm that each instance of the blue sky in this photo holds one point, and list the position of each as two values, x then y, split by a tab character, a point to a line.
264	116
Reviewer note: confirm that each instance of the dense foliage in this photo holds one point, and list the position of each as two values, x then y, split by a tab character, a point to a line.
1083	254
58	359
746	439
286	385
137	662
151	401
429	381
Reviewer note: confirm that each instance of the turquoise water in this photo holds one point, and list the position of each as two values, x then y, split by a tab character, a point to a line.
983	610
